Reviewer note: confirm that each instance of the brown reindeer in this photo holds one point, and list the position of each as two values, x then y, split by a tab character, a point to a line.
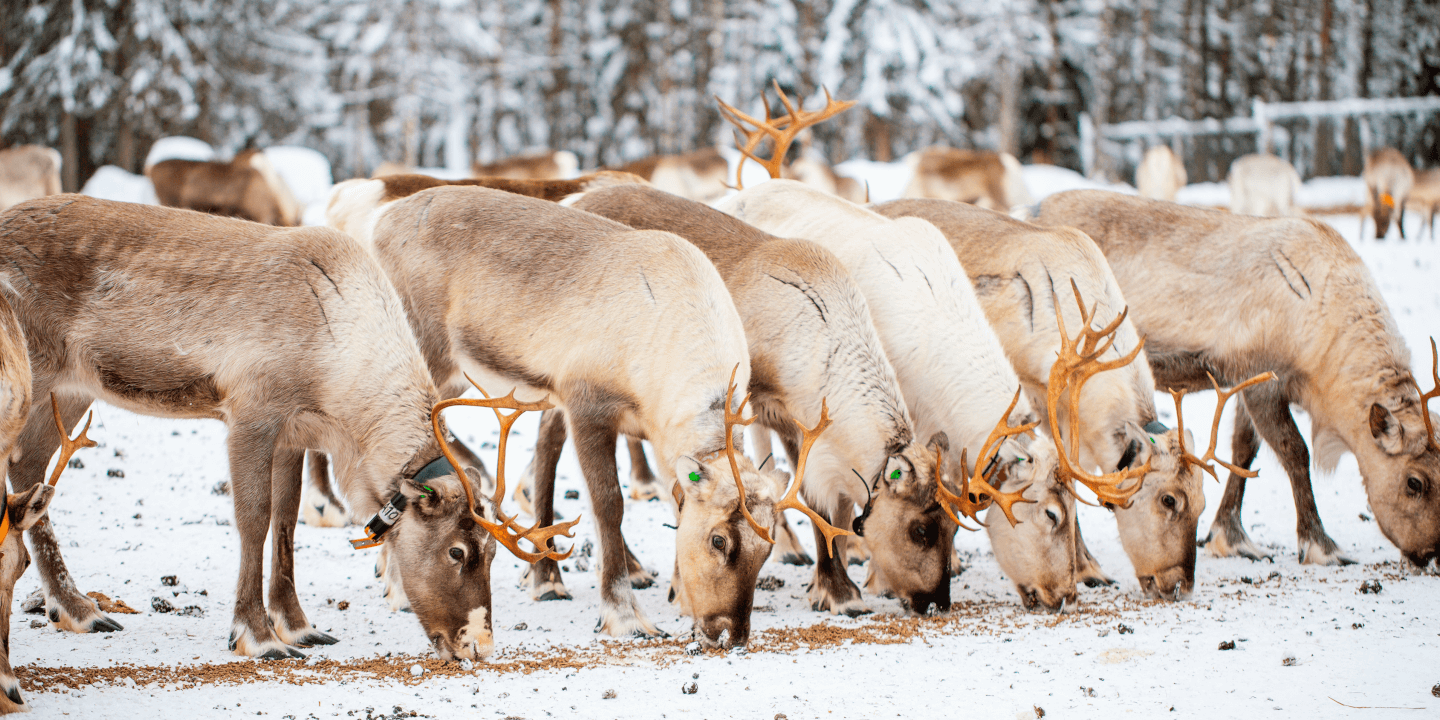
1161	174
1425	199
247	187
798	303
28	172
698	175
1229	296
631	332
978	177
295	339
1388	181
557	165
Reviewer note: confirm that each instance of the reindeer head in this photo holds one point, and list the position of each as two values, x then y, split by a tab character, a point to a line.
1035	546
19	513
442	538
909	535
716	558
1402	472
1383	206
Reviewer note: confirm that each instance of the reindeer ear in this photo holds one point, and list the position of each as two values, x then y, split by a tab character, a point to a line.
691	477
897	474
26	508
1386	430
939	440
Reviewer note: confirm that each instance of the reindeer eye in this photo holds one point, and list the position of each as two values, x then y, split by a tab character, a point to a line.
1414	485
1054	519
1168	501
457	554
717	542
921	535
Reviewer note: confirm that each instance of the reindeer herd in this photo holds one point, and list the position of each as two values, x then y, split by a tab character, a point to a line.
927	365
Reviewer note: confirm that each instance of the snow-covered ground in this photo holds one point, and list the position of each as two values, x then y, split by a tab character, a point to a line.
1305	638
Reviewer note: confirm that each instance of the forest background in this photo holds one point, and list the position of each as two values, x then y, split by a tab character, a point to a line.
445	82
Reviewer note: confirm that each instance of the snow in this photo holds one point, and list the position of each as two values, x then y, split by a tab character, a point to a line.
987	659
305	171
112	183
179	148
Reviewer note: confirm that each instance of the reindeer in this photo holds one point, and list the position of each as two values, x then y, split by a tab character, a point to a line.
558	165
988	179
952	370
698	175
137	305
818	174
1388	181
1287	295
631	332
1262	184
1016	269
1161	174
28	172
798	303
247	187
1425	199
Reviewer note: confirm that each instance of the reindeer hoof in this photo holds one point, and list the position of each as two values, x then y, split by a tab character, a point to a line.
315	637
282	654
1102	581
641	581
796	559
1323	552
645	491
105	624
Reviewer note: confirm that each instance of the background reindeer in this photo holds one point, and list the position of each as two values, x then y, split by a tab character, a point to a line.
798	303
698	175
1161	174
1262	184
28	172
1230	296
557	165
1425	199
988	179
318	356
247	187
631	332
1388	181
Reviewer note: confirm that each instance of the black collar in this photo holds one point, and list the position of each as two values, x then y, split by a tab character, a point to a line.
386	518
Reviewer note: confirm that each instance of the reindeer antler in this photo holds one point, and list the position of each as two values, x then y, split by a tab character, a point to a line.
1078	361
67	445
1222	396
791	500
782	130
979	492
507	532
946	498
1425	397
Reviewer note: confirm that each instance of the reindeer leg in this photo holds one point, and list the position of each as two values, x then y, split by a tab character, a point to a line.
252	454
1227	536
1087	568
286	617
595	435
67	607
1271	413
642	480
832	589
322	508
640	577
543	577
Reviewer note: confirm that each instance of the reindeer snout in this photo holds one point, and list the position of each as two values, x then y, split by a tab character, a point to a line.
1171	585
1055	602
715	628
929	603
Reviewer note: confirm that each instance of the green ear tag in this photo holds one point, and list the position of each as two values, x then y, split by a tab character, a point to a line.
1152	441
895	475
428	490
694	477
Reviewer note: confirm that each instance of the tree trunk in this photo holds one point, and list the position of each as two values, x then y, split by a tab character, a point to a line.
69	154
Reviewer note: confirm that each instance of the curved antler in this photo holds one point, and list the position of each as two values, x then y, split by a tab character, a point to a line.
782	130
507	532
1078	361
1430	440
791	500
1222	396
978	491
67	445
946	498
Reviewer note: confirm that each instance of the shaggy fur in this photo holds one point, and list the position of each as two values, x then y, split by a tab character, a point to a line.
1237	296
